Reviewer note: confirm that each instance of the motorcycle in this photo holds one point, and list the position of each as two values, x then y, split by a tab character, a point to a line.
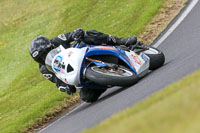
93	69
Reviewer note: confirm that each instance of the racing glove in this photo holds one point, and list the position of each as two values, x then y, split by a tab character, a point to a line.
78	34
67	89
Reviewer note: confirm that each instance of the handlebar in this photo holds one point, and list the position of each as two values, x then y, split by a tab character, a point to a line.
76	41
78	44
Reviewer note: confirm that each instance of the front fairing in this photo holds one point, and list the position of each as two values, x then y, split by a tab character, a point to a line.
66	64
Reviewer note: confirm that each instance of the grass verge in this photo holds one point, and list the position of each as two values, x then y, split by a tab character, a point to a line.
174	109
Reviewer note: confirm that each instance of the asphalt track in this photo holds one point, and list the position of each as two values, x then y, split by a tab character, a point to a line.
182	50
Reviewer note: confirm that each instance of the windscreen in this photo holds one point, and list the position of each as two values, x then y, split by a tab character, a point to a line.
50	57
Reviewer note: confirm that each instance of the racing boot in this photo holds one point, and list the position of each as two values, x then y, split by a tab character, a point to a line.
122	41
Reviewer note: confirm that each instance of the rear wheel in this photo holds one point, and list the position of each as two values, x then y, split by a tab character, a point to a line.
118	76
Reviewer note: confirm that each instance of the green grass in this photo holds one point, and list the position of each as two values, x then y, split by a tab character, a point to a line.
174	109
25	96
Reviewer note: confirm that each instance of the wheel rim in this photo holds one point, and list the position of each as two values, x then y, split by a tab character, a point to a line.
120	72
152	51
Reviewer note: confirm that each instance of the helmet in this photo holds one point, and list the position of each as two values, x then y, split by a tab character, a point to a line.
39	49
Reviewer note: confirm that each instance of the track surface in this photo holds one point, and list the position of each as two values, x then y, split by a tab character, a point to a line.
182	51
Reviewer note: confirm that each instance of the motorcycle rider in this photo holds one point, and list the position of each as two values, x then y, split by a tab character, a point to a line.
41	45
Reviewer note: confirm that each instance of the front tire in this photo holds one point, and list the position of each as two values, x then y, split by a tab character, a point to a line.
157	58
107	76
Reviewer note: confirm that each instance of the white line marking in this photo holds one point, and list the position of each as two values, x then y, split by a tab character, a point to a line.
177	23
62	117
173	27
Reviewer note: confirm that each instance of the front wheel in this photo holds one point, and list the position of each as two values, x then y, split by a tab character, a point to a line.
119	76
156	56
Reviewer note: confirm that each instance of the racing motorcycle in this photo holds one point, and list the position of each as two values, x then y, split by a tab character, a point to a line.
93	69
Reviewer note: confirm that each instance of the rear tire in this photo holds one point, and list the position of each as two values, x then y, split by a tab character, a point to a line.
103	76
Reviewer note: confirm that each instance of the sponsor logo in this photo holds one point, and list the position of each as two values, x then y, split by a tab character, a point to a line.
106	48
63	71
144	57
57	63
131	63
35	54
70	53
64	80
136	59
47	76
62	37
